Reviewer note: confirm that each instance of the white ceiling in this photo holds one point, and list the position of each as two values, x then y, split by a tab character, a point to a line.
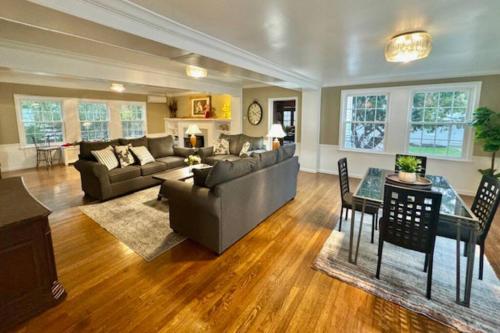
342	41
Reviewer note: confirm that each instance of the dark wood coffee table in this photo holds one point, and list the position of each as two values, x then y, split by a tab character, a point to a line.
181	174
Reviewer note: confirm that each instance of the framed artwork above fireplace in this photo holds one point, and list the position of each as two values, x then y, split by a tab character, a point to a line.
200	106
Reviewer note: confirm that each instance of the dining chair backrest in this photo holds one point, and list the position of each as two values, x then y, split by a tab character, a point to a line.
486	203
343	177
410	218
422	159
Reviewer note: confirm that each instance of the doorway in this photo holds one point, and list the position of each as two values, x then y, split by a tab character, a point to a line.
284	111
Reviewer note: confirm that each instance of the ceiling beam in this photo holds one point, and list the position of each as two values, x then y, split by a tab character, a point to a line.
131	18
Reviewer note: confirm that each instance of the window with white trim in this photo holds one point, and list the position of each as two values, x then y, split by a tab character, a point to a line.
42	120
133	118
438	121
94	121
365	118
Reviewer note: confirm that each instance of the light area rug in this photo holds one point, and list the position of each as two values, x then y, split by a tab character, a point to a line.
403	281
138	220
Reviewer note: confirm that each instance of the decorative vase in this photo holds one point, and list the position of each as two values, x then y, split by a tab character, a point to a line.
408	177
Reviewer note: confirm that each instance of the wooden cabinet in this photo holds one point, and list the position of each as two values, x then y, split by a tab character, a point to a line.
28	277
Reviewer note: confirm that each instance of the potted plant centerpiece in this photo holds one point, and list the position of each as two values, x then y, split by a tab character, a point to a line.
192	160
408	168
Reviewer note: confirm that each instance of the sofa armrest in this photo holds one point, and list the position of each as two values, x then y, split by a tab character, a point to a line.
184	152
205	152
91	168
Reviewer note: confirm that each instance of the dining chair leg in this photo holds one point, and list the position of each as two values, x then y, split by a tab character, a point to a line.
376	221
426	262
429	275
346	212
373	227
341	217
379	261
481	261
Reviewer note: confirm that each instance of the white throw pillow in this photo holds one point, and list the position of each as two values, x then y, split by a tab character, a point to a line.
244	149
124	155
143	155
221	147
107	157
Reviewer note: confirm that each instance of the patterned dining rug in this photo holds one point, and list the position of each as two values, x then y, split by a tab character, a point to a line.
138	220
403	281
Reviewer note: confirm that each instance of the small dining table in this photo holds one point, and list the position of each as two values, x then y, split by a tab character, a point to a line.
370	193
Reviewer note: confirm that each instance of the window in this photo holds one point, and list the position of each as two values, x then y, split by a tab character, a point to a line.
438	121
132	117
42	120
287	119
94	121
365	121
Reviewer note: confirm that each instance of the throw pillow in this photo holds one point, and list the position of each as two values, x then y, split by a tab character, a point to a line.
143	155
124	155
107	157
221	147
200	175
244	150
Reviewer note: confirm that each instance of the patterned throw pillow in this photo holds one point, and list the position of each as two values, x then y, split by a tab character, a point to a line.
107	157
244	149
221	147
143	155
124	155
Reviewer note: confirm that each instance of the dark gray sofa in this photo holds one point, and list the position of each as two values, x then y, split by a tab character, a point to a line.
236	142
100	183
220	215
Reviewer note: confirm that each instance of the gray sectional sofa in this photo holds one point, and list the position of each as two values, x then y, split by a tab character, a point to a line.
231	198
100	183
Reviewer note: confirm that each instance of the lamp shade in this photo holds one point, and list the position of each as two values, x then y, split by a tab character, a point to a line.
276	131
193	129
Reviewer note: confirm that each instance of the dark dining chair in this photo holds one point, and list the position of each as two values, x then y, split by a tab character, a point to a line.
422	159
484	206
410	220
347	198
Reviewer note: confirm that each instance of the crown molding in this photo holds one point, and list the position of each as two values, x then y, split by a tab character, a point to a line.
37	59
134	19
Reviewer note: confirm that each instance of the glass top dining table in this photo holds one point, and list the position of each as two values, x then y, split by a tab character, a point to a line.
370	193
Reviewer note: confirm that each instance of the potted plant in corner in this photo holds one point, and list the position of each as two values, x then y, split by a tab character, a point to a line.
172	106
487	125
408	168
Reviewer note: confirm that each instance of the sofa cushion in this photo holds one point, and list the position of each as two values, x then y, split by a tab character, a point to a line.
217	158
125	173
107	157
124	155
221	147
86	148
224	171
151	168
135	142
234	143
286	151
256	142
142	154
266	158
172	161
200	176
161	147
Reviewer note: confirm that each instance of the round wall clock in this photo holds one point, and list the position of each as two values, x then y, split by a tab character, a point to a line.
254	113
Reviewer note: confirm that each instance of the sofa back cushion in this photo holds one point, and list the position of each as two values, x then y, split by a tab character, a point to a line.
224	171
134	142
161	147
86	148
266	158
235	143
286	151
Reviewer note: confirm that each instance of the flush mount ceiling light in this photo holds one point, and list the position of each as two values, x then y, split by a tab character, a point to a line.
195	71
118	87
408	47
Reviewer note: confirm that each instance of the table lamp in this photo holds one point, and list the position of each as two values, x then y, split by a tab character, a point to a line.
276	132
193	130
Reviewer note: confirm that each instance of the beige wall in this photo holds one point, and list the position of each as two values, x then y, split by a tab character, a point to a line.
8	123
330	103
218	101
262	95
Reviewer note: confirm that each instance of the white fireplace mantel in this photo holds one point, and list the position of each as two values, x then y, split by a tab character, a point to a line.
210	127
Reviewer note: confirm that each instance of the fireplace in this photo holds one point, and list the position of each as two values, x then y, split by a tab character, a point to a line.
200	141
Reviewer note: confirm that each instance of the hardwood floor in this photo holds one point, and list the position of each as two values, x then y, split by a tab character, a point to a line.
263	283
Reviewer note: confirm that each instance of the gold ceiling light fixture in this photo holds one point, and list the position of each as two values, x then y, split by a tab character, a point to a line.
117	87
196	72
408	46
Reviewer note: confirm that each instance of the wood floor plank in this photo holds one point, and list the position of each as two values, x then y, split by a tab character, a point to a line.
264	283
